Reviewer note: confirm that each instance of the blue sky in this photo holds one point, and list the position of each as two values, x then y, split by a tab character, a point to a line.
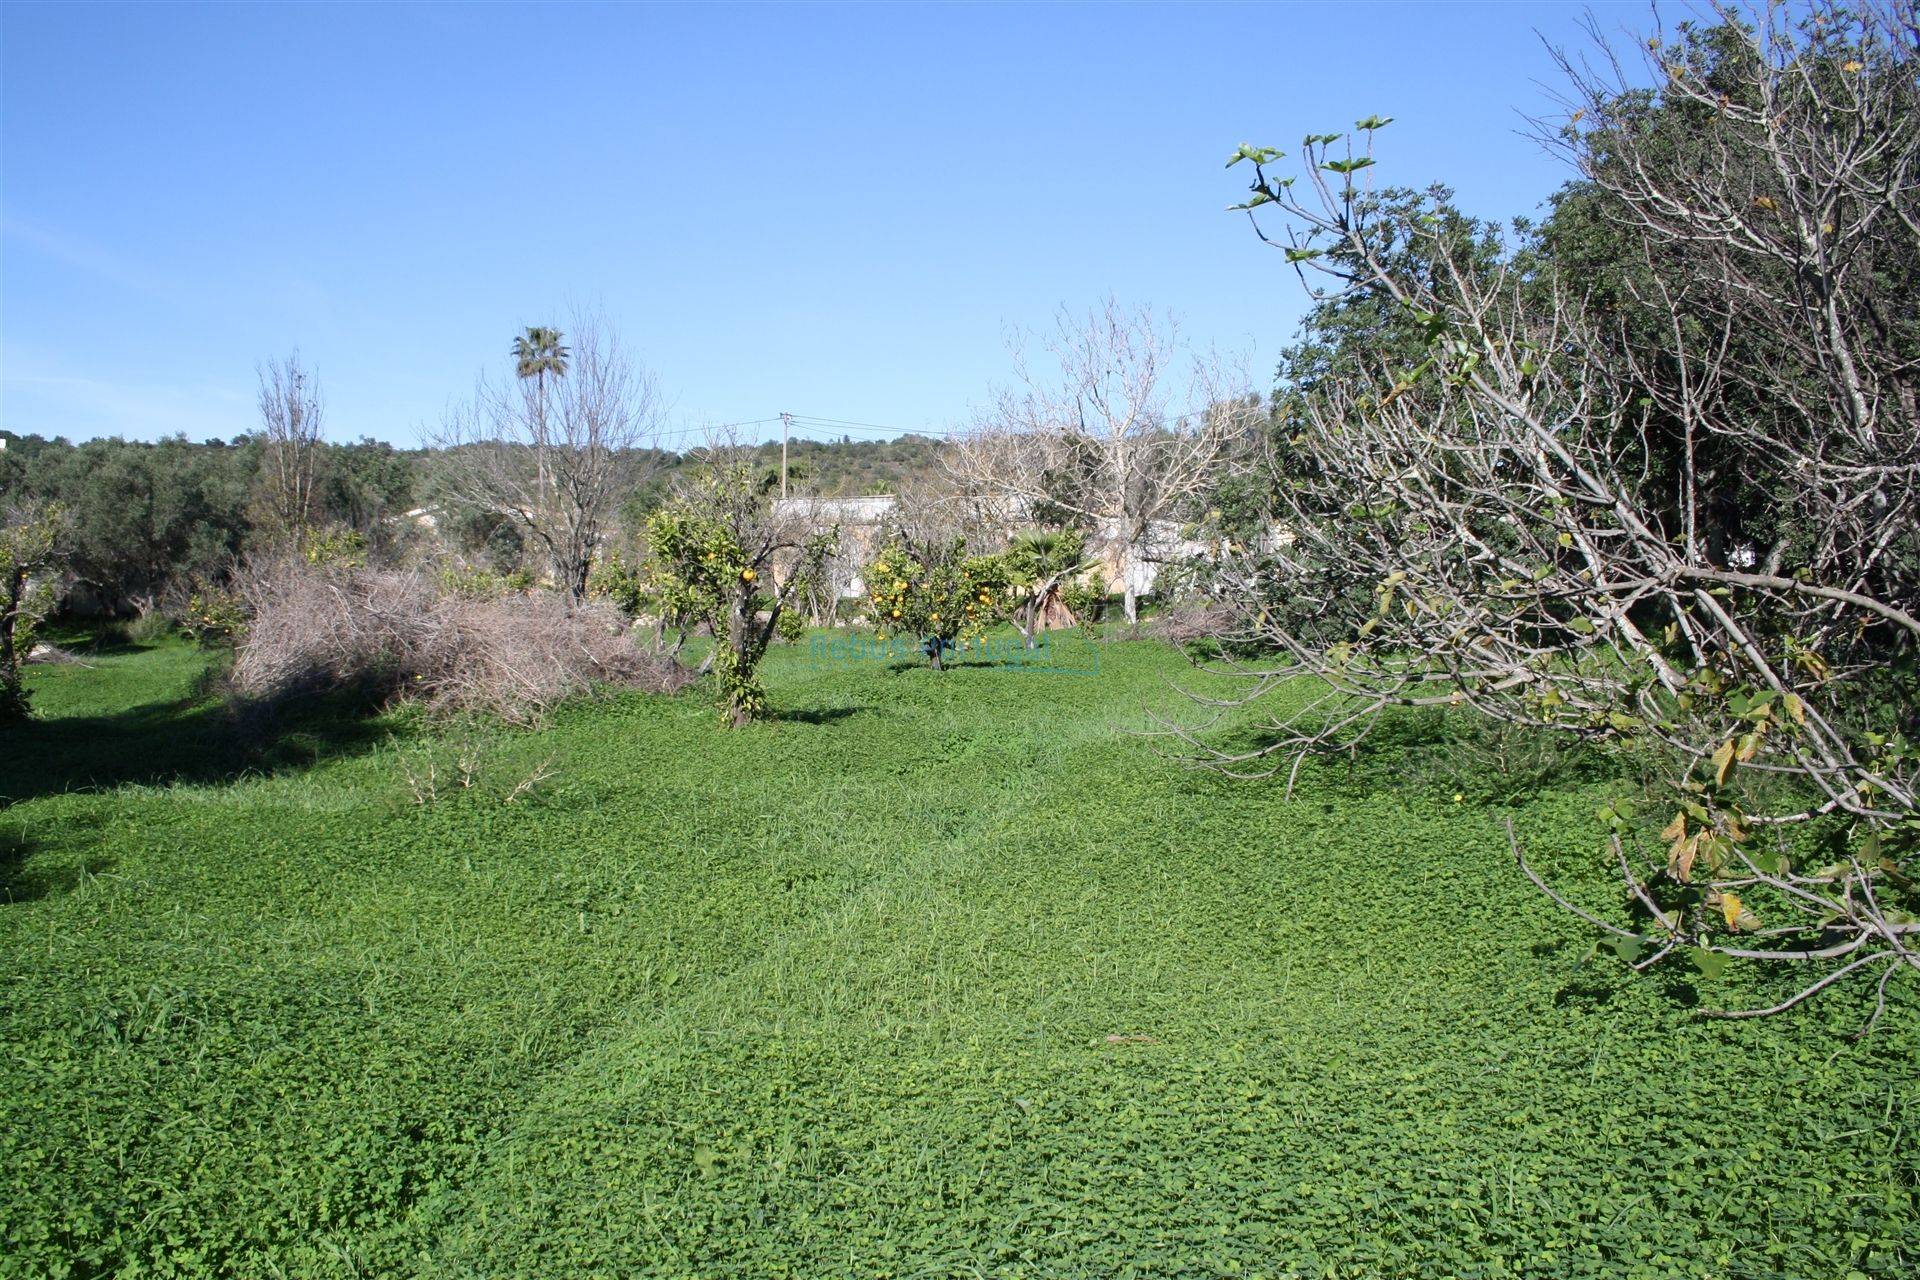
833	210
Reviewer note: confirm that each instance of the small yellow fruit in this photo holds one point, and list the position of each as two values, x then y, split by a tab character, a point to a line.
936	617
896	613
746	575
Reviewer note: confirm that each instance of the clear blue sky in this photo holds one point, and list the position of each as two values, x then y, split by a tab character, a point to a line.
833	210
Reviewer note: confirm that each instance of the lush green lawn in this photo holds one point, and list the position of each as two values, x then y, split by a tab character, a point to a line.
938	976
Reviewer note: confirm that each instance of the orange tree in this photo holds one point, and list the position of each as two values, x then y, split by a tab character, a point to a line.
933	590
711	560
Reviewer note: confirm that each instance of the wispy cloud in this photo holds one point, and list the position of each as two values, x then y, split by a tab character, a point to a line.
38	397
88	258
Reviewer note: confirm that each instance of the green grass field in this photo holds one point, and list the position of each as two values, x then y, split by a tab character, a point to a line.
940	975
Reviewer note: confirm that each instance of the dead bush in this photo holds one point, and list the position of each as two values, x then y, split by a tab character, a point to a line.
1191	621
394	634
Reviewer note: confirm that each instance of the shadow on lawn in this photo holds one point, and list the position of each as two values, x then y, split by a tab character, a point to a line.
14	885
18	883
190	740
824	715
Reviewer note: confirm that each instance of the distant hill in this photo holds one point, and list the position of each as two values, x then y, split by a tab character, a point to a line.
844	468
849	468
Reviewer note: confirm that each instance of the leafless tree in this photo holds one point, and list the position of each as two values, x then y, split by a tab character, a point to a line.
555	461
291	414
1496	501
1094	440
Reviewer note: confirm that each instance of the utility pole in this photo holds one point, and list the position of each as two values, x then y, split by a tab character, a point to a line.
786	424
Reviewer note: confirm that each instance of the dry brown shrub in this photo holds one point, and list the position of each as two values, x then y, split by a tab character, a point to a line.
395	634
1192	620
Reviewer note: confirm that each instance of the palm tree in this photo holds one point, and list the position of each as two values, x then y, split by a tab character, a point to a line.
537	353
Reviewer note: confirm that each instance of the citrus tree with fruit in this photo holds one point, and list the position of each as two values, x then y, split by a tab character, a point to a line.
935	592
711	556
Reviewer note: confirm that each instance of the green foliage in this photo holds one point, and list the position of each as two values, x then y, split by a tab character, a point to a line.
1035	557
695	560
1004	995
1087	599
29	551
214	616
539	352
700	569
334	548
711	558
148	519
152	520
937	593
623	583
813	580
471	582
152	626
365	486
1590	478
1042	564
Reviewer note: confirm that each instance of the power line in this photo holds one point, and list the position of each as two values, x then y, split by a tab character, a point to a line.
709	430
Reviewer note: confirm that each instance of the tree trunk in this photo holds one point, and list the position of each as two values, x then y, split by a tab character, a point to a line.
576	580
1132	602
1023	620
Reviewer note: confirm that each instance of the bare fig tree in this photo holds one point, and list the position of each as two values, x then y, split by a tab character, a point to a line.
1675	511
1094	440
555	459
291	415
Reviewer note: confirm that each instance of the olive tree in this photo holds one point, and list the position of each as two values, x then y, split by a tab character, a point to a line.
30	552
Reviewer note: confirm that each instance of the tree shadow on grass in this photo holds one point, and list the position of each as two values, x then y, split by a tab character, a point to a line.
94	640
823	715
1442	751
21	883
189	740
